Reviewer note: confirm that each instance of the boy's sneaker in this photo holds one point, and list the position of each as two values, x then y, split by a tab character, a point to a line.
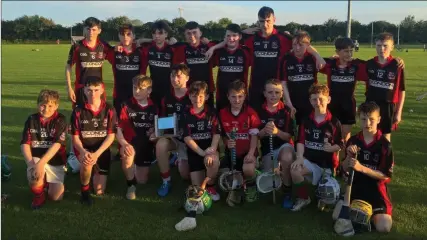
213	193
38	201
251	194
287	202
131	195
86	198
164	189
300	203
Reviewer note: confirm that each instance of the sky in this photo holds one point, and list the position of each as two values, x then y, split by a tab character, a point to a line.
303	12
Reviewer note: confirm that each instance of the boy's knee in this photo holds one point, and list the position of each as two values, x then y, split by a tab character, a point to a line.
383	223
162	145
286	158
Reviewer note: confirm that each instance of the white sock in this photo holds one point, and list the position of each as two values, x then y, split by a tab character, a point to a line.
165	180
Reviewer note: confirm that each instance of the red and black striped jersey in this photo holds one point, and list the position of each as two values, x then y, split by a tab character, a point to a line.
342	81
266	54
159	60
93	127
244	122
42	134
232	65
283	121
385	81
88	60
299	74
125	65
195	59
201	127
136	120
378	156
313	134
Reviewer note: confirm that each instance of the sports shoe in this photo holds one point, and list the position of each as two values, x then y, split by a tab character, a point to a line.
164	189
287	202
38	201
213	193
300	203
186	224
85	198
251	194
131	195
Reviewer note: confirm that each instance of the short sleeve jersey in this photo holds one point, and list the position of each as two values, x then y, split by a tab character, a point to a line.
136	120
42	134
201	127
313	135
93	127
246	120
282	120
172	104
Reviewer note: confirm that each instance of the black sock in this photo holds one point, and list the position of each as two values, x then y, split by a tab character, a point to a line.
287	189
191	214
131	182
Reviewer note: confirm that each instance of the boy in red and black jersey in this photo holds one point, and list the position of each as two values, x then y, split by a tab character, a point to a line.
373	167
202	135
43	148
136	125
233	63
298	72
158	56
276	120
319	141
93	128
88	55
244	120
177	101
192	53
342	74
386	84
126	64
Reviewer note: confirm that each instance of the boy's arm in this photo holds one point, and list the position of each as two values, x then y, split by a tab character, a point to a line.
215	141
49	154
253	145
301	142
26	142
111	132
216	133
320	62
105	144
193	146
61	129
401	97
212	49
26	152
72	57
77	143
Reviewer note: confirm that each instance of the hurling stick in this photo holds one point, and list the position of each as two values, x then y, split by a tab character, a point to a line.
272	168
343	225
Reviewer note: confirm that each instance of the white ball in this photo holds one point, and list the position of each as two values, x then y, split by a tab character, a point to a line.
411	110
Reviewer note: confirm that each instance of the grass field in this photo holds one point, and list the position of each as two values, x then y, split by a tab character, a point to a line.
25	72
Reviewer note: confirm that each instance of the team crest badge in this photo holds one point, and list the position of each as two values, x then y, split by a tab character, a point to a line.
309	67
105	122
352	70
136	59
100	55
203	50
167	56
245	125
274	45
239	59
281	122
391	76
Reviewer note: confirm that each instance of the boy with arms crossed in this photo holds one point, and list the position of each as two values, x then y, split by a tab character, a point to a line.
135	128
276	120
244	120
319	141
202	135
373	167
175	102
93	128
43	148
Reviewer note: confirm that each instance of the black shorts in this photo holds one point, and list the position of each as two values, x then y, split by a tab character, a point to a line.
380	200
226	162
144	152
345	111
195	161
387	111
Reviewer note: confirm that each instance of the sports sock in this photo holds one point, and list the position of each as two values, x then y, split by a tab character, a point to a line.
165	176
85	188
287	190
37	191
301	190
131	182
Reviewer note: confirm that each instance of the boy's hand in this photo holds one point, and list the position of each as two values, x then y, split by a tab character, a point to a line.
400	63
293	111
327	147
353	163
85	158
201	153
352	150
172	41
397	117
209	53
38	171
94	157
320	63
128	150
249	158
71	95
271	129
231	144
118	48
204	40
209	159
210	150
298	164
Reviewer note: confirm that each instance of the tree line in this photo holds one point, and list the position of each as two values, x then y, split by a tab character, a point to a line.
40	29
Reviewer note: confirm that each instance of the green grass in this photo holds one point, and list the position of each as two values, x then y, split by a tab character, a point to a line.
25	72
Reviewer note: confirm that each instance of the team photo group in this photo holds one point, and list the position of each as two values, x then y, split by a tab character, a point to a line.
264	125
